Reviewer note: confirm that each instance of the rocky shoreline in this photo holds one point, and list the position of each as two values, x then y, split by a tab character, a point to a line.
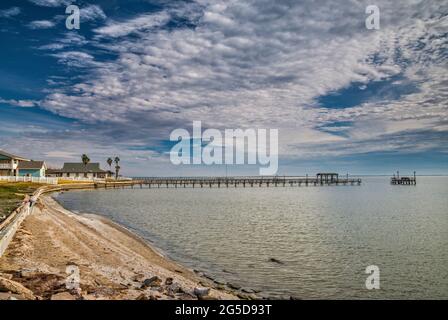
112	262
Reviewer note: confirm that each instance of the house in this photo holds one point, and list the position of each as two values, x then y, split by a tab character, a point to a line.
79	170
50	172
9	164
32	169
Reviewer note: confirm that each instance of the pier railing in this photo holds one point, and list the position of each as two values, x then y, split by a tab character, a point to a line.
403	181
244	181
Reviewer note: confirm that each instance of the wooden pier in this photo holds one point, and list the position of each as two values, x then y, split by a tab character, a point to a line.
226	182
408	181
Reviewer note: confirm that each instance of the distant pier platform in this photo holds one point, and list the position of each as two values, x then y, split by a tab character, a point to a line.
397	180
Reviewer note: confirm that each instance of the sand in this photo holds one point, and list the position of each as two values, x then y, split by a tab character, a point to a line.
113	263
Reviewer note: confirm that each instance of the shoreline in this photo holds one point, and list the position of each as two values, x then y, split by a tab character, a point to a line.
113	262
121	227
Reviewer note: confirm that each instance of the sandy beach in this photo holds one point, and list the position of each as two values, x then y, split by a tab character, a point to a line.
113	263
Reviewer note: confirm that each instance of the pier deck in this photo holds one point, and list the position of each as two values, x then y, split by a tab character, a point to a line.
403	181
226	182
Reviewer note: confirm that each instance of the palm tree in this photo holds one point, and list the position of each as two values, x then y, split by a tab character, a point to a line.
109	162
117	167
85	159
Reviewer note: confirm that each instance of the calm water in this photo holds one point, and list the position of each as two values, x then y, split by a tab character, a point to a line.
325	236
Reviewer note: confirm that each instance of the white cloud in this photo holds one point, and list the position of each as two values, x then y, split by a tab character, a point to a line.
140	23
51	3
41	24
91	12
20	103
52	46
11	12
75	59
60	154
70	39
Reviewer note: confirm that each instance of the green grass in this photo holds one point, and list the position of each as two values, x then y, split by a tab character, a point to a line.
12	194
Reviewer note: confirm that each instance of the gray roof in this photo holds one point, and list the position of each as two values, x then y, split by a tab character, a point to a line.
9	155
50	171
79	167
31	164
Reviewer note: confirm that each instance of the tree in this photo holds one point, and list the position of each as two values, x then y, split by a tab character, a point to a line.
85	159
117	167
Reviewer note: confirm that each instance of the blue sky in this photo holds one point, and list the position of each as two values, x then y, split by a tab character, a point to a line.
344	98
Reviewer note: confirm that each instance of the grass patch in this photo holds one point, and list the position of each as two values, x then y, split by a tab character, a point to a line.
12	194
61	181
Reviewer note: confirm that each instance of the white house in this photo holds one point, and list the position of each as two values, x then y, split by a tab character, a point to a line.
79	170
9	164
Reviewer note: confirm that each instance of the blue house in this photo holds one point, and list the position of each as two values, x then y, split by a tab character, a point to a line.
32	169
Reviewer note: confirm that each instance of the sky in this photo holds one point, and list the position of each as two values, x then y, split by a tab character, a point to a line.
344	98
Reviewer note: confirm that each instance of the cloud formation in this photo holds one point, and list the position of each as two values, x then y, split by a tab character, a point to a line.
20	103
240	64
11	12
51	3
41	24
91	13
141	23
